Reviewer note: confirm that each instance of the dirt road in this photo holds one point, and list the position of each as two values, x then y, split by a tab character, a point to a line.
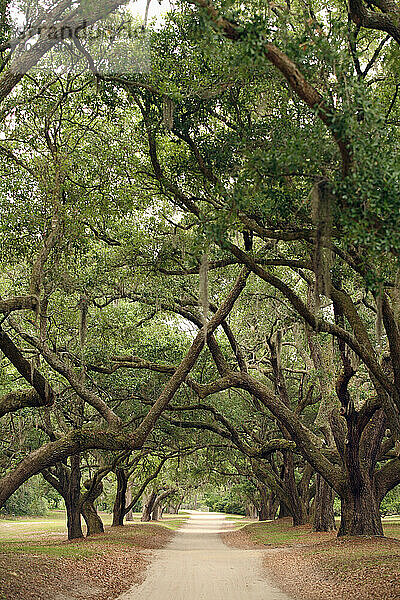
197	565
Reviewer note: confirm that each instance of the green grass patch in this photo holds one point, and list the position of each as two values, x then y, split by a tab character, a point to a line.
25	528
240	524
80	550
30	541
21	531
392	528
172	523
275	533
281	532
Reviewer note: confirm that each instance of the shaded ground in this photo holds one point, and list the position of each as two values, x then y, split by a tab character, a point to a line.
317	566
37	563
100	568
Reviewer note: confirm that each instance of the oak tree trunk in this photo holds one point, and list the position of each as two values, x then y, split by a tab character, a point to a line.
284	511
360	504
157	509
324	518
273	504
72	500
173	509
268	504
74	525
120	499
296	505
263	510
93	522
360	512
148	506
156	514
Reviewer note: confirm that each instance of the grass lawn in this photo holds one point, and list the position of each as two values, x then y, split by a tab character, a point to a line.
173	521
37	562
281	533
54	524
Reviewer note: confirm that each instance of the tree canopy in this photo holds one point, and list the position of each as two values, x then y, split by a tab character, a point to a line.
202	257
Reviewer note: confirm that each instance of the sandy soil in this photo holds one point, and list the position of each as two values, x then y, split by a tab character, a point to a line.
197	565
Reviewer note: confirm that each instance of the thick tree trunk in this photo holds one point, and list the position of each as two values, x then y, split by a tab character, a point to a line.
74	525
268	504
360	504
263	506
274	490
93	522
273	504
156	514
174	509
324	518
120	499
298	508
300	515
118	515
67	481
284	511
360	512
148	506
72	500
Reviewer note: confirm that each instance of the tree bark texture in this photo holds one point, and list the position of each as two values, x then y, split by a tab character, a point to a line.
324	518
120	498
93	522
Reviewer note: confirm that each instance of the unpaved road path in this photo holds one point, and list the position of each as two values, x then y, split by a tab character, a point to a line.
197	565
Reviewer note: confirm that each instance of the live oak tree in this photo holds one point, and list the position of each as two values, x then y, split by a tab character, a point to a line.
263	191
262	142
247	427
51	275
